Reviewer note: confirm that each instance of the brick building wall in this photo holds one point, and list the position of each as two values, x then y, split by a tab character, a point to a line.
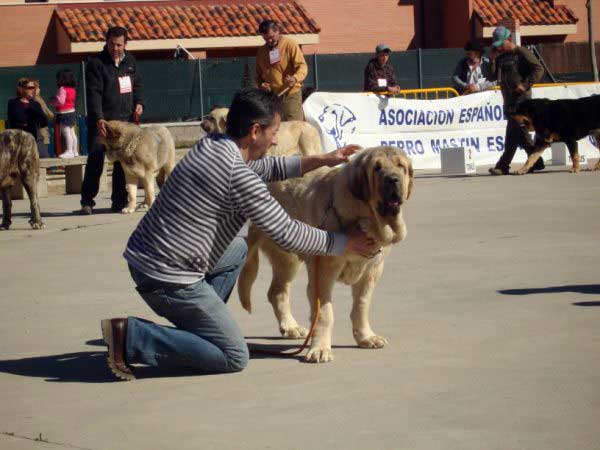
579	9
356	26
28	33
25	33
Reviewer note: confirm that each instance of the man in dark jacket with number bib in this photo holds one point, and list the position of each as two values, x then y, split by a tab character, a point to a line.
114	92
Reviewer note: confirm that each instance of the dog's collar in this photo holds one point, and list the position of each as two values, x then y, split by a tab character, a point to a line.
331	207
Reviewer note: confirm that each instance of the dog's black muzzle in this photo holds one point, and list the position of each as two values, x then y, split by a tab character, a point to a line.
392	196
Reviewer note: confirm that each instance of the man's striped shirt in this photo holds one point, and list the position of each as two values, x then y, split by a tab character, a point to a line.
207	198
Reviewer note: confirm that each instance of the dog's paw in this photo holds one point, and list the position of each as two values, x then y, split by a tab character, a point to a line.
37	225
296	332
574	171
127	210
319	354
519	172
143	207
4	226
373	342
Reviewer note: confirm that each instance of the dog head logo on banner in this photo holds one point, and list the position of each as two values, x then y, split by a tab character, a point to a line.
338	120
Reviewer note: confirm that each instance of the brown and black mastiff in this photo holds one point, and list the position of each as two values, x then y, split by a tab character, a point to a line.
19	159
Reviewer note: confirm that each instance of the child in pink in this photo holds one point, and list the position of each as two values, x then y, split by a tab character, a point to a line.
64	102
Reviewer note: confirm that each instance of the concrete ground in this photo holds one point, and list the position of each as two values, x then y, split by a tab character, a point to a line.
491	307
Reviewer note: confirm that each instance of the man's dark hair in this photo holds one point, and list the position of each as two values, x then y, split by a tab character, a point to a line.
267	25
473	46
251	106
116	32
65	77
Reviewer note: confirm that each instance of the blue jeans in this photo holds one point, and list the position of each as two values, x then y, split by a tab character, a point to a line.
207	337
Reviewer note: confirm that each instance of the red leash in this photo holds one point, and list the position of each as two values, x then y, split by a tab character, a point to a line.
313	324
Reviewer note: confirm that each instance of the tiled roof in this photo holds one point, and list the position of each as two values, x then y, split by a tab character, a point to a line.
183	19
529	12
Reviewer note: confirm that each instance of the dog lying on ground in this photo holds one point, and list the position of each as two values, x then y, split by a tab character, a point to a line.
369	192
19	159
294	137
558	121
145	153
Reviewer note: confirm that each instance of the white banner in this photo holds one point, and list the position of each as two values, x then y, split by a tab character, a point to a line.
422	127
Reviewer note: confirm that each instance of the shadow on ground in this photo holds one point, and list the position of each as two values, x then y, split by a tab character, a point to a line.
91	367
80	367
578	289
65	213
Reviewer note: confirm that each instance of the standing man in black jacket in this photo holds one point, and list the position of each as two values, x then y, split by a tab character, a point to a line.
114	92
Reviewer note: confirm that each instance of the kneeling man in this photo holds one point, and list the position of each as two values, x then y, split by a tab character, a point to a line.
184	256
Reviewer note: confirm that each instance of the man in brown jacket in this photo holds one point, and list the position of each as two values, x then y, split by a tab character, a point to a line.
281	68
516	69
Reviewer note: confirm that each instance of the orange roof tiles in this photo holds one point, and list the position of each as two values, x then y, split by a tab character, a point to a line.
529	12
183	19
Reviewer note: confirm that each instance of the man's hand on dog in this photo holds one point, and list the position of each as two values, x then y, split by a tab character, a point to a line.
101	124
341	155
265	86
359	243
331	159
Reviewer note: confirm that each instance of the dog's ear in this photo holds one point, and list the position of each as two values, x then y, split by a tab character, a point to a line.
112	132
6	140
411	175
223	124
358	185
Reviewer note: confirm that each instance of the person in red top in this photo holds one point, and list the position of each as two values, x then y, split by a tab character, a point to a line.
64	102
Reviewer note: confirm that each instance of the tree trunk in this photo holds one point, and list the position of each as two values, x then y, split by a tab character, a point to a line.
590	9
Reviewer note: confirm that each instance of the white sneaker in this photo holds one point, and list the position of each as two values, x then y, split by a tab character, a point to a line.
66	155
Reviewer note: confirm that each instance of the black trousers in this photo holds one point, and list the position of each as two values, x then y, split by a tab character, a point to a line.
93	172
515	137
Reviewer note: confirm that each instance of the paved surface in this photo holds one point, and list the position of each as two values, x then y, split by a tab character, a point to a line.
491	307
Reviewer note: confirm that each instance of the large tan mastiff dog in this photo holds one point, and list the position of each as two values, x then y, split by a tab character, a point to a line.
144	153
293	137
368	192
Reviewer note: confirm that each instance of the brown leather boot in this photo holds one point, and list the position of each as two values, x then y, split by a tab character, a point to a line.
114	332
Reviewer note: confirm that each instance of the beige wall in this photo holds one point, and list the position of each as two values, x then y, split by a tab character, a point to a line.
28	33
578	7
456	29
25	32
356	26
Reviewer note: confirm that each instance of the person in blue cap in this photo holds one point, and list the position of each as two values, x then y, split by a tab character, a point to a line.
516	69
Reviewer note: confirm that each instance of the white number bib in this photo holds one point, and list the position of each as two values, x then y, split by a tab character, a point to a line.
125	85
274	56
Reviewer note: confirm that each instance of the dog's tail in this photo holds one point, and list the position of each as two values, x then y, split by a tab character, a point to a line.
249	271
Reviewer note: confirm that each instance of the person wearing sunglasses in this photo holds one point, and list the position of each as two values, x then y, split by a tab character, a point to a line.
25	113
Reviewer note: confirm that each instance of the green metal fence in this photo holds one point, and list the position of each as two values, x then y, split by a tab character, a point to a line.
186	90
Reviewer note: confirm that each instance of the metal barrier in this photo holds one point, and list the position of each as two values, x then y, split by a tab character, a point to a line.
573	83
430	93
424	94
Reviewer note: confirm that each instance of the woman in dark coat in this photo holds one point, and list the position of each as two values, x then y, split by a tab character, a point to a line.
24	113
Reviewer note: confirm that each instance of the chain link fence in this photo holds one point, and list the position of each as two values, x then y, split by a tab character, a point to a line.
184	90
